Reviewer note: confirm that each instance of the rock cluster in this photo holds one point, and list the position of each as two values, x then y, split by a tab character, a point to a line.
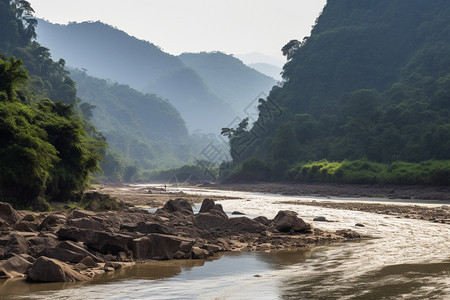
76	246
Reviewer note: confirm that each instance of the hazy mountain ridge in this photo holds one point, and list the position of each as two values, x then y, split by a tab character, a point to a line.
107	52
229	77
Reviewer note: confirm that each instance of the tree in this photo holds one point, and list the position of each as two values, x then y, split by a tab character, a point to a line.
12	75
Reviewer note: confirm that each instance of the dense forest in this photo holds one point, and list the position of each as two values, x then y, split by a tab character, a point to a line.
371	84
47	148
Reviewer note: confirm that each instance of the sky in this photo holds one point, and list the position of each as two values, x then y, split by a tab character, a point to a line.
177	26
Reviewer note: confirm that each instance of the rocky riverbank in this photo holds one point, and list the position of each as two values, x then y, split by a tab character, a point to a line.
78	245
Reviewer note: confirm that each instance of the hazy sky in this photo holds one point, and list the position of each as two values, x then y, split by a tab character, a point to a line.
231	26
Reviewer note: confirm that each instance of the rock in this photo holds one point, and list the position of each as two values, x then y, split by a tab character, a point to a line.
80	213
143	227
86	223
15	266
178	205
62	255
348	234
243	224
160	246
8	214
359	225
103	242
29	218
262	220
25	226
286	221
52	222
198	253
14	243
211	248
88	262
46	269
41	242
225	245
78	248
181	255
210	206
210	221
320	219
237	213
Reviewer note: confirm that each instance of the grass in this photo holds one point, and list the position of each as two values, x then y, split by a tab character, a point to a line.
362	171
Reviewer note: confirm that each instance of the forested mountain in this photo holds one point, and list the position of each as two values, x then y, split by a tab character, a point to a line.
109	53
48	150
229	77
371	82
143	128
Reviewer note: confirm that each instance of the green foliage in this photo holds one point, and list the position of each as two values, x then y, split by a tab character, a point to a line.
430	172
100	202
371	83
47	152
250	170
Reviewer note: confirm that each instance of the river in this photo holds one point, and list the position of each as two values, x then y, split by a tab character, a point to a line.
403	258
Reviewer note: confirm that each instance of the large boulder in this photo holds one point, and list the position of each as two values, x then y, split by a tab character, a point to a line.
210	221
287	221
8	214
208	205
144	227
103	242
13	243
46	269
15	266
244	224
178	206
53	222
62	255
41	242
86	223
78	248
160	246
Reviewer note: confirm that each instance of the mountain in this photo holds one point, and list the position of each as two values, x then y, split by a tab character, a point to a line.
371	82
256	57
229	77
106	52
267	69
142	128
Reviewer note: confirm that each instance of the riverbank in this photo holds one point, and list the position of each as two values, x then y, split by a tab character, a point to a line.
424	194
79	245
406	192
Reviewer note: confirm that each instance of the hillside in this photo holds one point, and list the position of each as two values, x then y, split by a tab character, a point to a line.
138	126
107	52
200	93
371	82
229	77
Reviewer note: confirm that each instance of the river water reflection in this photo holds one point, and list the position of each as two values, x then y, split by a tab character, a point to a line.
403	258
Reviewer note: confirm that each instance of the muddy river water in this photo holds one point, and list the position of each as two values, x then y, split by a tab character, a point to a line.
403	258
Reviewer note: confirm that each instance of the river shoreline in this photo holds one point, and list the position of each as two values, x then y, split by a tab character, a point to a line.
405	192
